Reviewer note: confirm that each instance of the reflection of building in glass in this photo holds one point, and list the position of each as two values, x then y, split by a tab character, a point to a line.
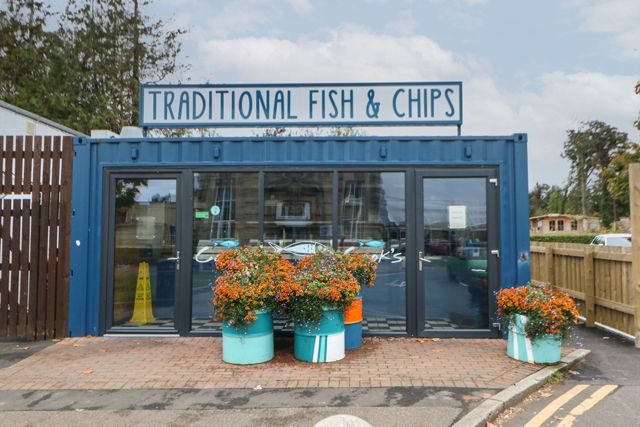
228	205
365	220
297	207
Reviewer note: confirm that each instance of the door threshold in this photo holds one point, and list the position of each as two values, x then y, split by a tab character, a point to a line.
140	335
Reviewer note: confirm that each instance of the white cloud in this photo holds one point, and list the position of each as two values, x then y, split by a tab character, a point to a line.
348	54
560	101
238	18
618	18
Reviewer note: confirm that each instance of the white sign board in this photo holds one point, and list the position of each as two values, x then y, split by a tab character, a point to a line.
326	104
457	217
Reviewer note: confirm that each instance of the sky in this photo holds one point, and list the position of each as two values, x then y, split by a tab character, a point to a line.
539	67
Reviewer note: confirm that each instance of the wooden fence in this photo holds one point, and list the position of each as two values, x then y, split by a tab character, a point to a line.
599	277
35	201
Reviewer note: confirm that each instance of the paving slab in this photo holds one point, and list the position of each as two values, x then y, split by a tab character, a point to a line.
106	363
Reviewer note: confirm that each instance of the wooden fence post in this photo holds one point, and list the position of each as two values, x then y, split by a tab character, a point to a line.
548	258
589	287
634	201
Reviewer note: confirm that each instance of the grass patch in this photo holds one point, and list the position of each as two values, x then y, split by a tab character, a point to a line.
556	378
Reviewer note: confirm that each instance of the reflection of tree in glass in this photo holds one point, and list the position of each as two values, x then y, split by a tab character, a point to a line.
157	198
126	192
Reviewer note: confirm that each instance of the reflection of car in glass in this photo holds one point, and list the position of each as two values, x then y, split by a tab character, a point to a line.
468	265
438	247
620	239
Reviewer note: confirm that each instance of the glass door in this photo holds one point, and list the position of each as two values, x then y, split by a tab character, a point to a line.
457	252
145	256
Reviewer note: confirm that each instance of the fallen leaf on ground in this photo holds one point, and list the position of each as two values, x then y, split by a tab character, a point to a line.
436	351
546	394
104	350
77	345
435	339
88	371
258	387
574	372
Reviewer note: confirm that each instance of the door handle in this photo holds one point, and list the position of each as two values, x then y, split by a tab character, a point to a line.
176	259
421	259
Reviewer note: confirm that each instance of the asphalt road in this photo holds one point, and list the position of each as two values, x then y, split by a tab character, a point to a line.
604	390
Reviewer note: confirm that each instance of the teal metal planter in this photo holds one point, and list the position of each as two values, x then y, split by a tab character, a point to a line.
545	349
248	344
322	341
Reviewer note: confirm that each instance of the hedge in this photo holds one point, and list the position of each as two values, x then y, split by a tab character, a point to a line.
563	238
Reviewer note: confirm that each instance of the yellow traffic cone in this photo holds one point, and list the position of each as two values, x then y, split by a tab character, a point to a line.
142	310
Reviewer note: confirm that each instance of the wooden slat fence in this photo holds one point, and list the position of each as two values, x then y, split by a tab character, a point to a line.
35	201
598	277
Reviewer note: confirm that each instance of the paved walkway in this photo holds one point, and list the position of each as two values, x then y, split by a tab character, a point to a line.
195	363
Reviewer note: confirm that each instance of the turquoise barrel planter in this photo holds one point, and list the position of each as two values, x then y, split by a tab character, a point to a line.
248	344
322	341
545	349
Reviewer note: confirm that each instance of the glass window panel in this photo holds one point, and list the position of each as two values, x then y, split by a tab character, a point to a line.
225	216
297	208
145	237
455	253
373	222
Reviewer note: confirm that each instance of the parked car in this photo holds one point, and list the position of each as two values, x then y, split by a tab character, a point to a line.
619	239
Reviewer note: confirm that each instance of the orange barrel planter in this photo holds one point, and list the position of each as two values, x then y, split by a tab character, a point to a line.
353	324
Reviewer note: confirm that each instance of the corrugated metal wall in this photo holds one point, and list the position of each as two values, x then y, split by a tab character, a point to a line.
508	153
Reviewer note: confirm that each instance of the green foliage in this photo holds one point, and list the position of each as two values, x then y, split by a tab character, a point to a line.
83	70
563	238
598	180
637	123
590	150
547	199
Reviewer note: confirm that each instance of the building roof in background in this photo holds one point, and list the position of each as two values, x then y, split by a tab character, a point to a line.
556	215
39	119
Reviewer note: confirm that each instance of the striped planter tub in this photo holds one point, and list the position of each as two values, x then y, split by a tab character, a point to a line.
545	349
322	341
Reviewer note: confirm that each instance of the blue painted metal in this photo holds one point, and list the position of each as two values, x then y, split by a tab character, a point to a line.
93	156
353	336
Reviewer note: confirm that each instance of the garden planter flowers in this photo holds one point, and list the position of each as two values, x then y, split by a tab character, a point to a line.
320	290
253	282
363	269
538	321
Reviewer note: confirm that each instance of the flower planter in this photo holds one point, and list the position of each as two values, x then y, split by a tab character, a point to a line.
322	341
544	349
248	344
353	324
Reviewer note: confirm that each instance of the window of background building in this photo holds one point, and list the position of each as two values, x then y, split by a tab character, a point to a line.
560	225
552	225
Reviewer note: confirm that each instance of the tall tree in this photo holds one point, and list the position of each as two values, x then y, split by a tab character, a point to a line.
590	149
616	177
114	47
28	54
